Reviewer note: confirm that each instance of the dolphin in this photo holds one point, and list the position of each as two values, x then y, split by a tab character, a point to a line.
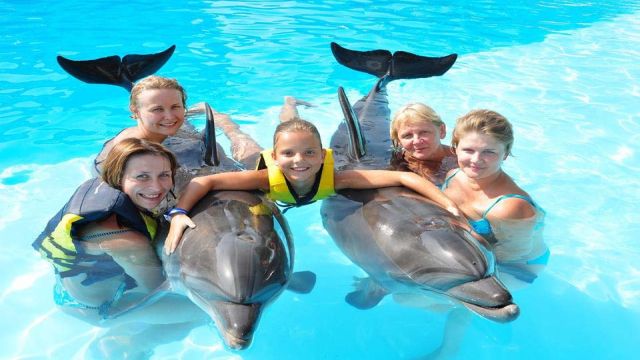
240	256
237	260
116	71
404	242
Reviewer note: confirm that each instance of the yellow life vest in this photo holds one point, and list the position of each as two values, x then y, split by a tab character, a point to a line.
278	187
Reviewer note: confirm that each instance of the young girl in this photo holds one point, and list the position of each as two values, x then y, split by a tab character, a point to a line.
158	106
296	171
497	208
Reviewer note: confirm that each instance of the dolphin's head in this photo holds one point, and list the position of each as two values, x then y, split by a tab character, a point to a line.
407	243
448	259
233	263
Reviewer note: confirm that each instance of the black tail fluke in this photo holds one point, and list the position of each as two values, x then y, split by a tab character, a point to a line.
375	62
112	70
400	65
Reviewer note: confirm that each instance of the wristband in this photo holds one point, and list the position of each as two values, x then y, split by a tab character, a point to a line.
175	210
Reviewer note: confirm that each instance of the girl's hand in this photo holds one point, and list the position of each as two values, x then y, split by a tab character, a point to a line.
179	224
452	208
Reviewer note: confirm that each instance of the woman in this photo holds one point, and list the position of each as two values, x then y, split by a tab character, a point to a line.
158	105
100	242
497	208
416	131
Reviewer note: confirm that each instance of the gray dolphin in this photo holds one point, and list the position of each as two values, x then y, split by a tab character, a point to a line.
240	256
238	259
406	243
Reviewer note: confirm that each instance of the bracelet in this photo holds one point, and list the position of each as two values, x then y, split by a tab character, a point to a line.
175	210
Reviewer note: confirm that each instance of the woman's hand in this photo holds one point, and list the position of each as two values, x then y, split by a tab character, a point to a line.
453	208
179	224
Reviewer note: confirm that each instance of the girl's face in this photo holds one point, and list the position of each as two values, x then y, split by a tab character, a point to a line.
147	180
299	156
421	140
159	112
480	155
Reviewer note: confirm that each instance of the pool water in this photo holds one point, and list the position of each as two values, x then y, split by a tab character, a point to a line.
565	73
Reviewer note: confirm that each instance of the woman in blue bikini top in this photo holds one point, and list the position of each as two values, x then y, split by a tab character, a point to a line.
497	208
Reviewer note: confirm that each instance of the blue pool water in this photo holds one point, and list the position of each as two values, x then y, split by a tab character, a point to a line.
565	73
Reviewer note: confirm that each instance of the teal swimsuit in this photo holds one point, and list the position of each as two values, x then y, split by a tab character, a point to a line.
482	226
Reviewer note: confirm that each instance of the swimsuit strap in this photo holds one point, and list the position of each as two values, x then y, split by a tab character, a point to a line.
446	181
507	196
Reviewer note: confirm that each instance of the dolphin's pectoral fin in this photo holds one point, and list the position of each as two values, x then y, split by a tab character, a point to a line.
111	70
302	282
374	62
149	299
406	65
367	295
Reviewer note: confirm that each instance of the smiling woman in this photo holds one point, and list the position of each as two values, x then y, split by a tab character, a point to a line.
100	242
497	208
158	105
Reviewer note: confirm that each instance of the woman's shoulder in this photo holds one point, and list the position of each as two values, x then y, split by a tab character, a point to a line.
514	206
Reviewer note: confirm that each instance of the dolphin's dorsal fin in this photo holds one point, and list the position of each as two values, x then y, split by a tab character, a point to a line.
112	70
302	282
149	299
356	138
209	138
400	65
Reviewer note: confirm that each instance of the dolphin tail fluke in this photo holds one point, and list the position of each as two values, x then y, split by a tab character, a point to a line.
367	295
406	65
112	70
374	62
388	67
302	282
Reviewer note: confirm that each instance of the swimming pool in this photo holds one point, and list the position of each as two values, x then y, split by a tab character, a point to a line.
565	73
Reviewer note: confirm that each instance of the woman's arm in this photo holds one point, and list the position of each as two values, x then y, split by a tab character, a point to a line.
199	187
128	248
370	179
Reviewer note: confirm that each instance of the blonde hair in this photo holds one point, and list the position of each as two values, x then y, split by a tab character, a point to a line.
485	122
114	165
154	82
412	113
295	125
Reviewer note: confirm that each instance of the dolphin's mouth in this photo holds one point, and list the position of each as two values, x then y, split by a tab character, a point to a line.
236	343
487	297
502	314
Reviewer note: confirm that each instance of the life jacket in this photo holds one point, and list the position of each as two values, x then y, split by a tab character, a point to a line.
279	188
93	201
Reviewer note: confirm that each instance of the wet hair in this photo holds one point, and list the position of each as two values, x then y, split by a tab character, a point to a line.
295	125
155	82
114	165
485	122
412	113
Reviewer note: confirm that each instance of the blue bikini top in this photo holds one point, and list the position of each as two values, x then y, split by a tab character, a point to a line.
482	226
